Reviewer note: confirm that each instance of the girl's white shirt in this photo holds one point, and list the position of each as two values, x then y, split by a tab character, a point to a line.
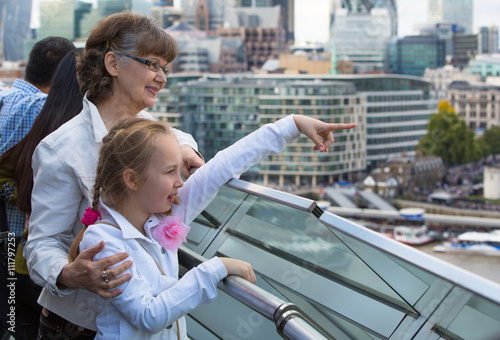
151	302
64	166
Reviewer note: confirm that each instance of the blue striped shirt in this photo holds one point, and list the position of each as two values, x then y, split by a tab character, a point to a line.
21	105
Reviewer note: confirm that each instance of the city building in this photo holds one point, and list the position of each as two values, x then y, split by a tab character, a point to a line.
225	109
167	15
414	54
382	182
494	42
287	13
491	182
362	38
444	31
464	49
73	19
398	109
207	15
394	110
485	65
261	30
302	62
483	40
422	172
488	40
441	78
62	18
14	29
200	52
365	6
459	11
477	105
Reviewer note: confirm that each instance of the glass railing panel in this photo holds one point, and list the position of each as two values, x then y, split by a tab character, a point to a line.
464	315
225	204
333	323
356	283
408	281
229	319
295	283
204	227
299	237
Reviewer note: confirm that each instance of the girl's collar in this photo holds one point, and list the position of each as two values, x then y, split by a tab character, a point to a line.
128	230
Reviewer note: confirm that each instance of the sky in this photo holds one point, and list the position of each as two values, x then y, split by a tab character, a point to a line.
311	17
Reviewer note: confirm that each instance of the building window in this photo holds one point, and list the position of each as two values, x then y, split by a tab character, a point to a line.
202	23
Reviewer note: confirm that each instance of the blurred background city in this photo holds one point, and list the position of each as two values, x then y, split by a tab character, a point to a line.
421	79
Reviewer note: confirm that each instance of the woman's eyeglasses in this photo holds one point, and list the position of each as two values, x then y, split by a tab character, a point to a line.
152	64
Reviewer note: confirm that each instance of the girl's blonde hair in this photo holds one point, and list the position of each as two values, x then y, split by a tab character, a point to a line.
125	33
130	144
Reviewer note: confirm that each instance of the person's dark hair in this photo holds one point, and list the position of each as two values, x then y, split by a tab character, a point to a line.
44	58
63	103
125	33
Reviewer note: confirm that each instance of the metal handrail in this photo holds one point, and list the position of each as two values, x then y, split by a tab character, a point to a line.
290	322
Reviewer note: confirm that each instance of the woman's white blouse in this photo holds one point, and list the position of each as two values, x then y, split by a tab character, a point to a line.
64	167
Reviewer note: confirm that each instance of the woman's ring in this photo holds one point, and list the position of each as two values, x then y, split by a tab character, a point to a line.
105	276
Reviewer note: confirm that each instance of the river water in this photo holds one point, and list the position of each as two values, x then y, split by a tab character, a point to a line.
482	265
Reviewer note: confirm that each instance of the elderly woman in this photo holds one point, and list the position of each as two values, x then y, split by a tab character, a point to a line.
121	70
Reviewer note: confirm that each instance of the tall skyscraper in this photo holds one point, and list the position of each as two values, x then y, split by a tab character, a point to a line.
361	31
14	28
362	38
365	6
483	40
493	39
456	11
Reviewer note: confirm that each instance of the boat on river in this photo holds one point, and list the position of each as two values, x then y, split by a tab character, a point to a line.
472	242
414	236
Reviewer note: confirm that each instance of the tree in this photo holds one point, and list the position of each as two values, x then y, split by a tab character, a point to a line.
490	141
448	137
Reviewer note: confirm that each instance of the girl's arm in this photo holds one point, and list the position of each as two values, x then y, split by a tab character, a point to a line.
231	162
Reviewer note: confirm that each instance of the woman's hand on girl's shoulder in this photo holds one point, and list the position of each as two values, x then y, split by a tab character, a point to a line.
314	129
84	273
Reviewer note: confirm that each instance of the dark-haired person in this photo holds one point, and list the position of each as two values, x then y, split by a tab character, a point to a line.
121	70
64	101
20	105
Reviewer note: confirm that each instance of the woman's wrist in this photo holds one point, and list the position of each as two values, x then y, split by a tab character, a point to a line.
63	278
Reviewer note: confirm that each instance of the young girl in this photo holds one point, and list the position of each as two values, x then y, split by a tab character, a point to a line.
137	185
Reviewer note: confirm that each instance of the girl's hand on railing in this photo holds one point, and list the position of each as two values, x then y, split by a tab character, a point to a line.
239	268
314	129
